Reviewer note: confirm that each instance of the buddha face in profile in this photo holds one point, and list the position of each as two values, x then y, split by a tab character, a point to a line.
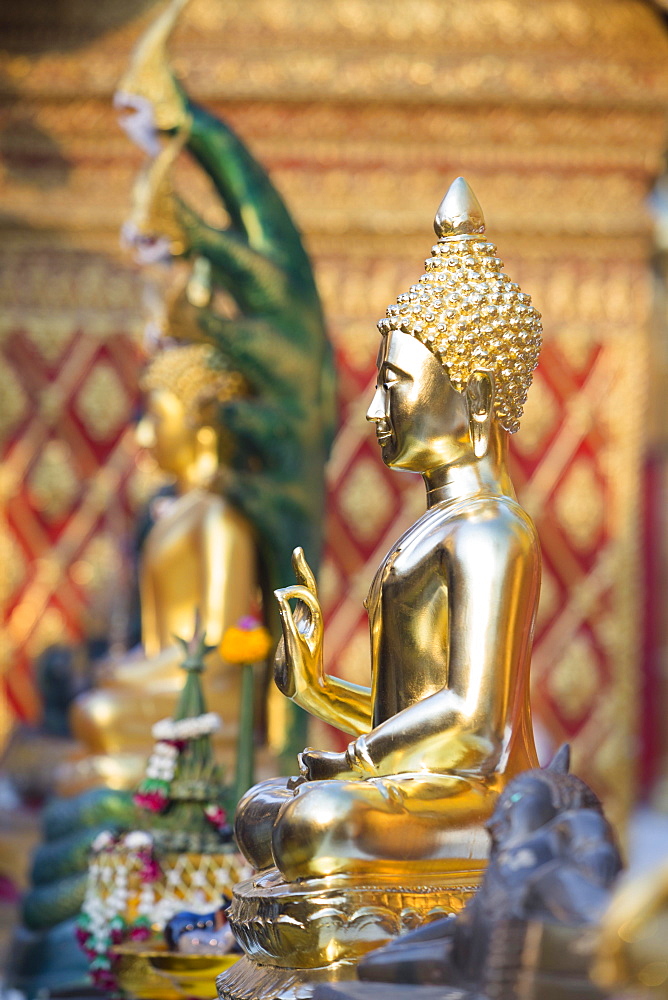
183	391
421	420
167	433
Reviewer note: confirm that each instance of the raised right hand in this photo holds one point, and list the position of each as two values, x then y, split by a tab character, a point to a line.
298	661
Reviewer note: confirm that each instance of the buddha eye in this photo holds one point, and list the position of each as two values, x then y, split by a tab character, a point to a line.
389	379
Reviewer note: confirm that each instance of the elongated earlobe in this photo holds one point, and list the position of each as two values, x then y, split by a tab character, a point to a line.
480	403
207	457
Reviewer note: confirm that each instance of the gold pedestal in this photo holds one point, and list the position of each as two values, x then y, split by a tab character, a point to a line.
297	934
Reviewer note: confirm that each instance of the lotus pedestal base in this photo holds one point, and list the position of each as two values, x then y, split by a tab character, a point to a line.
298	934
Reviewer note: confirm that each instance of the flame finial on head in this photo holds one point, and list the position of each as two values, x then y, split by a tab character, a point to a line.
459	214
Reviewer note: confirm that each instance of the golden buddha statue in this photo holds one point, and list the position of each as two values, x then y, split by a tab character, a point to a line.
201	554
446	721
630	946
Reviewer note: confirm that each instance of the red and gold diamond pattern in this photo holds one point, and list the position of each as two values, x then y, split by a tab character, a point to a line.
68	461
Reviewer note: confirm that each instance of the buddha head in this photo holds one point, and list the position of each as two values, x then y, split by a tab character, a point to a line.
184	388
458	350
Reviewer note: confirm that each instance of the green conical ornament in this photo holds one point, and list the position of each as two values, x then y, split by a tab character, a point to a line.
184	787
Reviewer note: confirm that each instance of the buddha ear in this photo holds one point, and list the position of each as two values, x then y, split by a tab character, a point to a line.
480	405
207	452
206	437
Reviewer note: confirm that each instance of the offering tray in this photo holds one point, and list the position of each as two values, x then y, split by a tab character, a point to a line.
148	970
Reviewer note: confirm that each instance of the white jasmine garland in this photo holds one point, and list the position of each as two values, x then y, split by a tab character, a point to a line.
162	762
138	839
186	729
104	839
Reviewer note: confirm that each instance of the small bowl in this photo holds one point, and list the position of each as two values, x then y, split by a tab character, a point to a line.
149	971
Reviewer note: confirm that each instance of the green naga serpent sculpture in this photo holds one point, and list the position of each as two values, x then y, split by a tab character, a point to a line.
280	435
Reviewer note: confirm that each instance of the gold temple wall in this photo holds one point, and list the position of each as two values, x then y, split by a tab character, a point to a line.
364	110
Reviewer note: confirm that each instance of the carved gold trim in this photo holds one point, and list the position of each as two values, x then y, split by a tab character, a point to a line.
320	921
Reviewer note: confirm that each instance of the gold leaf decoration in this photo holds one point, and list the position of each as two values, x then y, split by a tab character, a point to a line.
540	413
50	334
359	342
12	563
365	500
354	662
330	581
574	680
549	596
576	340
579	505
14	399
53	482
102	402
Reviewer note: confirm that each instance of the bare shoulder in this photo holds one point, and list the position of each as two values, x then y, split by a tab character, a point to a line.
488	525
210	504
216	512
481	533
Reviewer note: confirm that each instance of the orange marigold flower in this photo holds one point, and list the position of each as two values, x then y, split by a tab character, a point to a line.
247	642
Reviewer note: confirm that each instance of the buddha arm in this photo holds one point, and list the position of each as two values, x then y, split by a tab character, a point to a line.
299	672
492	572
298	668
436	734
338	702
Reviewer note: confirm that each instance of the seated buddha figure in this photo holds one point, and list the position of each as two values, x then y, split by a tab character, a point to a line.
446	721
199	555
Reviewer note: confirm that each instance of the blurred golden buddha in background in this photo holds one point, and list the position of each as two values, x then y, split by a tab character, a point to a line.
446	721
200	554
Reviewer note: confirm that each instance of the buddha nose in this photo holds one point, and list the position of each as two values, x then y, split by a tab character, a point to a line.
376	410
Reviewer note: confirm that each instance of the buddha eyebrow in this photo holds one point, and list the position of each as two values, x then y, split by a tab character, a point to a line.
388	366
